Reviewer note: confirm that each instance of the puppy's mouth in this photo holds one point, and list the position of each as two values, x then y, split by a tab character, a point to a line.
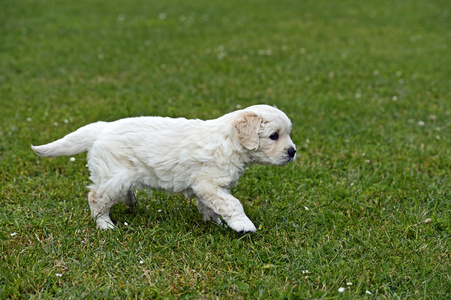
288	160
282	159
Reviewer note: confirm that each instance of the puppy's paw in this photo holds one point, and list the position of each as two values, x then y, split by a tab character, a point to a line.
214	219
104	225
211	216
242	224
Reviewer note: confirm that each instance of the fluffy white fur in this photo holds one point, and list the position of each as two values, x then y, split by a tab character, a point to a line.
201	159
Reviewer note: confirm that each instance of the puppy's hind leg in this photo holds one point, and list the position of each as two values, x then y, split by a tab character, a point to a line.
100	204
130	198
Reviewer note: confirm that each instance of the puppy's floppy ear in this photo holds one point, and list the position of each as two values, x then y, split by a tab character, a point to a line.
246	128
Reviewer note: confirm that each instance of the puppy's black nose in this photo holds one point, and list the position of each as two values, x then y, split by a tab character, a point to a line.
291	152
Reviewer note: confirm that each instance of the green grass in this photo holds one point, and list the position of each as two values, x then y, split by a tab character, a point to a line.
366	84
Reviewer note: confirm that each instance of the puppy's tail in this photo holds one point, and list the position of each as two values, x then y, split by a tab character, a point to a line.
78	141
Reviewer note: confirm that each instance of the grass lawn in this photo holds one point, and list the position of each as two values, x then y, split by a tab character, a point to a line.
364	212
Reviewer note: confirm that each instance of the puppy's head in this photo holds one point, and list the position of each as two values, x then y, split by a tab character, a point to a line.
265	132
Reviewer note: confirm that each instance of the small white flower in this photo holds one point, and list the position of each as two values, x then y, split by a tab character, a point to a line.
394	98
55	124
427	221
306	208
341	289
421	123
29	119
305	272
260	227
432	117
162	16
348	283
13	234
72	159
59	275
368	292
141	262
66	121
159	210
125	223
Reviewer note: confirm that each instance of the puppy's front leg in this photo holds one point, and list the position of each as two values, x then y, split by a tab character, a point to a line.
224	204
207	213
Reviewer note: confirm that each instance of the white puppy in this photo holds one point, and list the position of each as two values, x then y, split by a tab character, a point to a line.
201	159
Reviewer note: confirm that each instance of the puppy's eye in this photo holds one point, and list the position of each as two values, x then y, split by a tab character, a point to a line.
274	136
